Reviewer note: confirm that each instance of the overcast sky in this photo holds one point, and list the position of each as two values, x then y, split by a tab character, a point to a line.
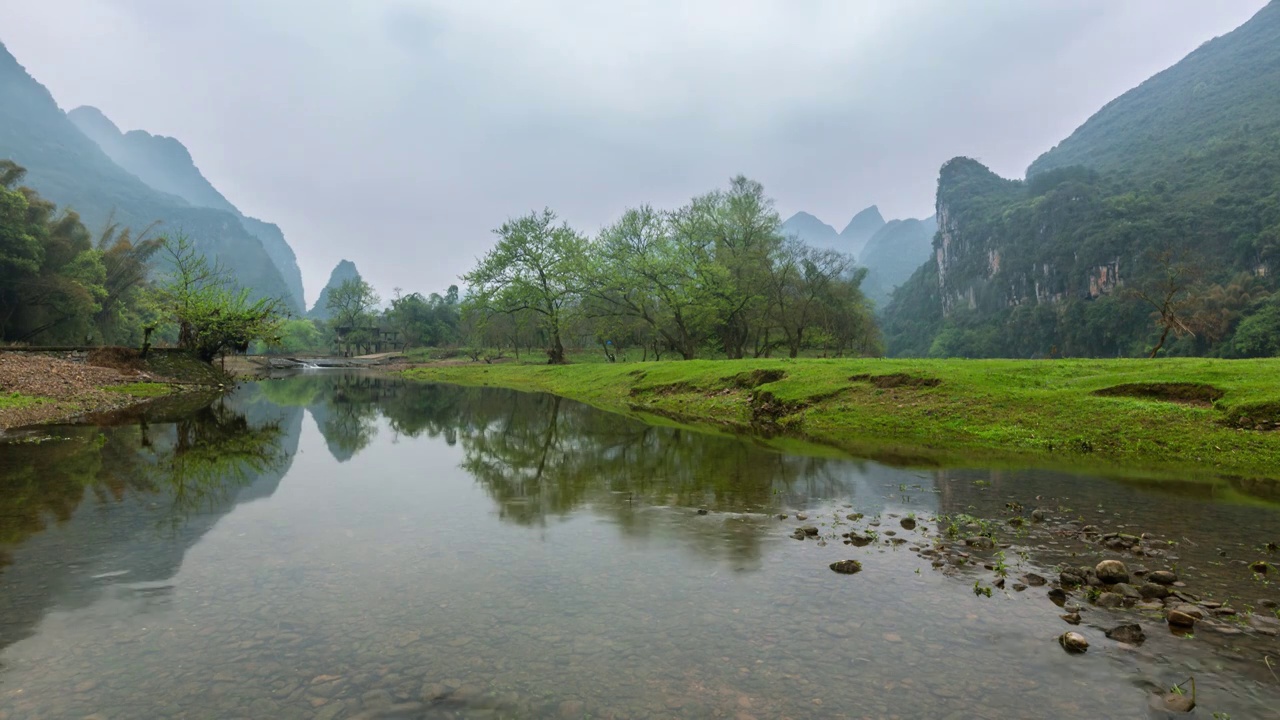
398	133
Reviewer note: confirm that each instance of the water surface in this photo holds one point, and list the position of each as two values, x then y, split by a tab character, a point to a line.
338	545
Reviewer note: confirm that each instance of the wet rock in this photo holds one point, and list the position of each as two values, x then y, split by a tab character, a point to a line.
800	516
702	511
1127	590
1072	618
1019	587
1070	579
1260	566
908	523
1153	591
1073	642
1034	580
1180	619
1110	600
1038	515
1130	633
799	534
1058	596
846	567
1269	603
808	529
853	517
858	539
782	516
982	542
1112	572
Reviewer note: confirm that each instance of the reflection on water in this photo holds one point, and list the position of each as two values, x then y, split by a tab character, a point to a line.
434	551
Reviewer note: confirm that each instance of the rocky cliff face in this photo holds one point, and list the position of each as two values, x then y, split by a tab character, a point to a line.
166	165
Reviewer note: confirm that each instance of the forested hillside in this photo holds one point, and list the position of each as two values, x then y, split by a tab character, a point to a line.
1154	227
165	164
69	169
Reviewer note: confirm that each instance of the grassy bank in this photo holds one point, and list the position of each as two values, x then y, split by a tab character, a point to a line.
1191	417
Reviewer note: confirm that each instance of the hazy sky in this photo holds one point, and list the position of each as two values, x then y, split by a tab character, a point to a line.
397	133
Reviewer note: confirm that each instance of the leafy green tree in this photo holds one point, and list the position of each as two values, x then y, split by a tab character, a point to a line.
210	314
536	266
352	312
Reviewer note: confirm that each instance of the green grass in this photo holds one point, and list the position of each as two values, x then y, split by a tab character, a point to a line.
15	401
991	413
140	389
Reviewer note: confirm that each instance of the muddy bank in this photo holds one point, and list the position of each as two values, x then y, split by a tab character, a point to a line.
44	386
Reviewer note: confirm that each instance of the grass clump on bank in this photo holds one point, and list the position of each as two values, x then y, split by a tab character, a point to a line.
1191	416
141	389
15	401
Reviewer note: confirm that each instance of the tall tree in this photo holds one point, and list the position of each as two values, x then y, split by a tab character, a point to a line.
536	266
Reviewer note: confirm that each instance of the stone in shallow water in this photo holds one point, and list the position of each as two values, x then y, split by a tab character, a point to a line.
1073	642
1163	577
846	567
1130	633
1112	572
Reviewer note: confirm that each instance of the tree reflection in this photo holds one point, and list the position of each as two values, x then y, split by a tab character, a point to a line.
189	465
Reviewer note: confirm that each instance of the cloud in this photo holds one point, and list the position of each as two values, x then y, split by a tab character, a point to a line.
396	133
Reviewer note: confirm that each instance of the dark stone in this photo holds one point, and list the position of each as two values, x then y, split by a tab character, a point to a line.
1070	579
808	530
1071	618
1151	590
846	567
1127	590
981	542
1180	619
1034	580
1058	596
1131	633
702	511
908	523
1110	600
1259	567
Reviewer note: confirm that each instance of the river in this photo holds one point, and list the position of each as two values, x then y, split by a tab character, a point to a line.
342	545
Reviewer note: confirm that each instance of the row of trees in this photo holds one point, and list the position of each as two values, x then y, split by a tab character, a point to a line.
61	285
715	276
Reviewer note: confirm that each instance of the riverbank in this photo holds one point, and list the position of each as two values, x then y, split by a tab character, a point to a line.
38	387
1192	417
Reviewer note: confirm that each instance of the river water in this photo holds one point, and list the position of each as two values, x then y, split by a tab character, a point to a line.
338	545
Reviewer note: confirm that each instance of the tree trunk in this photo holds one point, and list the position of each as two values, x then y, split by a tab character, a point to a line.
1163	336
555	355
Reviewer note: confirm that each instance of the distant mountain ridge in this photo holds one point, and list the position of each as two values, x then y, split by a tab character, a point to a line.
890	251
66	166
165	164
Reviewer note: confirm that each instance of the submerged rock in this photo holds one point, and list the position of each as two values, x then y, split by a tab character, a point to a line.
1073	642
1112	572
982	542
846	567
1130	633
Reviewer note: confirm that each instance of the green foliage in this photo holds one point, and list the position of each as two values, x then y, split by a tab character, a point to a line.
14	401
352	309
713	277
535	267
211	315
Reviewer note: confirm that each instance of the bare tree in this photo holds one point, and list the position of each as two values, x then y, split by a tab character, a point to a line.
1171	291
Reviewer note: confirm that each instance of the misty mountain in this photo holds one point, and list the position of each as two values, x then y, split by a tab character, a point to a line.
165	164
1178	177
812	231
65	166
345	270
858	232
893	253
